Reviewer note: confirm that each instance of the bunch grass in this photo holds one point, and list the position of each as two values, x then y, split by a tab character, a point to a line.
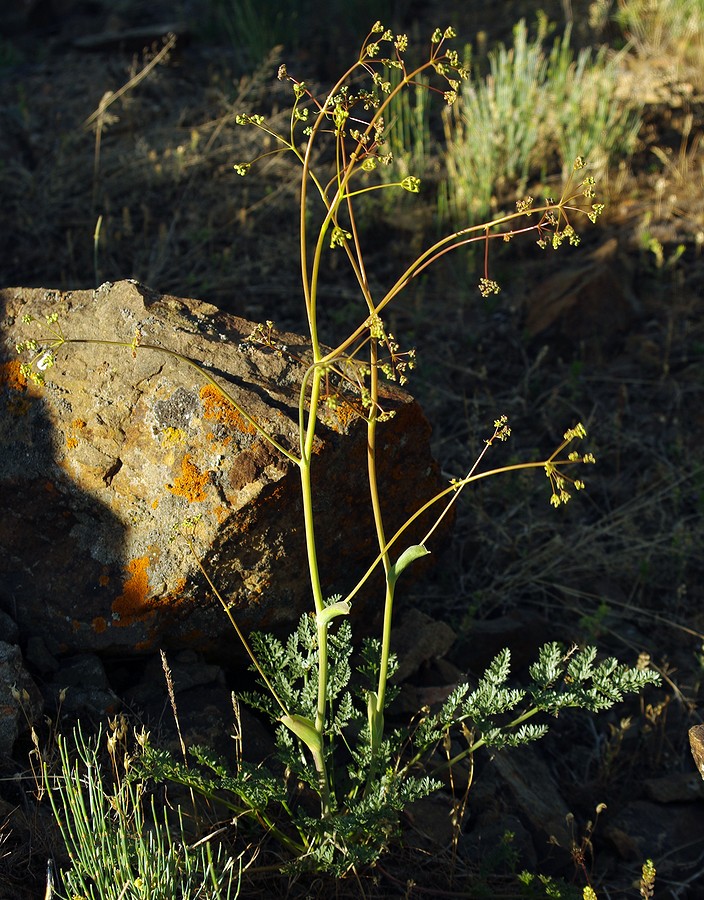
120	843
529	118
671	30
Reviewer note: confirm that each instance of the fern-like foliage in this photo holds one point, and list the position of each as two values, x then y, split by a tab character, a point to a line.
560	679
292	671
371	788
249	789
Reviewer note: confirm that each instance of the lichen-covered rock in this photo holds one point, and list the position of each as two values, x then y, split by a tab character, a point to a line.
100	467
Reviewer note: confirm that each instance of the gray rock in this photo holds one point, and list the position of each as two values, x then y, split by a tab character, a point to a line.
675	787
672	834
188	670
535	797
80	687
40	657
8	628
419	639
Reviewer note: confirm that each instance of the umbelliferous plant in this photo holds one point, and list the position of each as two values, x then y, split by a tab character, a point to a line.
332	737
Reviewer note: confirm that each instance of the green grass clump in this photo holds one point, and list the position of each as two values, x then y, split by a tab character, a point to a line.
529	118
119	844
671	30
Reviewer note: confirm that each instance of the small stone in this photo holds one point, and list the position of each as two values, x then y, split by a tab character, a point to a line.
535	795
671	834
80	686
416	640
591	305
39	656
8	628
679	787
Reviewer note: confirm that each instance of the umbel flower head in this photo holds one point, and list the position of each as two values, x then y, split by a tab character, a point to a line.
559	481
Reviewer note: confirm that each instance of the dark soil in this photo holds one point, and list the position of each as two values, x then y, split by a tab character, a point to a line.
621	566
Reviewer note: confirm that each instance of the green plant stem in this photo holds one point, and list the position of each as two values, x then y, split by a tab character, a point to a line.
379	525
376	728
305	467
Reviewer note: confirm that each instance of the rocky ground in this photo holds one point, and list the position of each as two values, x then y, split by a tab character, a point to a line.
611	333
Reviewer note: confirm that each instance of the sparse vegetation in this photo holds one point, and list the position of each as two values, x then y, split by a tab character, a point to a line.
331	731
644	509
666	30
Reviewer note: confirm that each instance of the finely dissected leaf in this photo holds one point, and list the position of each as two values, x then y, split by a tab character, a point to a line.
344	714
364	829
560	680
255	786
499	669
490	697
574	681
581	666
292	668
449	708
548	666
369	665
340	650
526	733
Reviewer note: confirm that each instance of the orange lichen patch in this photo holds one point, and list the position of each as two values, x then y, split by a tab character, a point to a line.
155	503
99	624
72	438
345	413
49	487
176	593
221	513
216	407
135	592
18	387
104	580
224	441
11	375
191	483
